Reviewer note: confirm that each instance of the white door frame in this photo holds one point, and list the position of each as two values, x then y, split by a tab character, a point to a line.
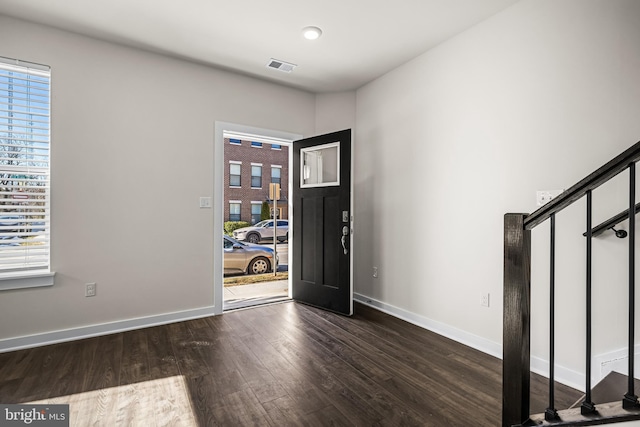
218	196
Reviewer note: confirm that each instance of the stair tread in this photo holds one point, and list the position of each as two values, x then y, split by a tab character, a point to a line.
612	388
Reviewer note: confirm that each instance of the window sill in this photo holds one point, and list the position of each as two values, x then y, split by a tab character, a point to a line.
256	188
22	280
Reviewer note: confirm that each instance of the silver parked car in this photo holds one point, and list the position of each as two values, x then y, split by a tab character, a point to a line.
263	231
240	257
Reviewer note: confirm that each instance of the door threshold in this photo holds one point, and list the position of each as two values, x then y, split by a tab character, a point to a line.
237	304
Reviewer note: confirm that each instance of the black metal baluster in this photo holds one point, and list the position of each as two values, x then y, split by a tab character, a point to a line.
630	399
550	413
588	406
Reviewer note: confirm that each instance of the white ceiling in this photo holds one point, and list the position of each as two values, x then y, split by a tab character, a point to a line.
362	39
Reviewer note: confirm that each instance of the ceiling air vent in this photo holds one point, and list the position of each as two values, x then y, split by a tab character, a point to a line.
281	65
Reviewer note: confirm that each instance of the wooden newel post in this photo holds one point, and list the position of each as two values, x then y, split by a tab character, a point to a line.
516	321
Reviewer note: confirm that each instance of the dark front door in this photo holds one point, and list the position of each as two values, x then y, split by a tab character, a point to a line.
322	222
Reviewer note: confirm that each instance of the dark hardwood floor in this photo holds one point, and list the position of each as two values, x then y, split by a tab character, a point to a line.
277	365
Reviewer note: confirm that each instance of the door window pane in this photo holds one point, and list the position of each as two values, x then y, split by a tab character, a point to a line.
320	166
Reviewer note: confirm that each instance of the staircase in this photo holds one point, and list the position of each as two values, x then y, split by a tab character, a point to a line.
604	396
611	401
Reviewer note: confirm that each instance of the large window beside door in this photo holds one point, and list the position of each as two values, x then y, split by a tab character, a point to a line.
25	188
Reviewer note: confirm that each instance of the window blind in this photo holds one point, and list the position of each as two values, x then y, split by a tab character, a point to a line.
24	166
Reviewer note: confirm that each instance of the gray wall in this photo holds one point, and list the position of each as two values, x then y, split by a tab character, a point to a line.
335	111
132	140
534	98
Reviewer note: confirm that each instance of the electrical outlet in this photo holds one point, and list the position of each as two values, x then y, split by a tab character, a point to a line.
90	290
484	300
375	272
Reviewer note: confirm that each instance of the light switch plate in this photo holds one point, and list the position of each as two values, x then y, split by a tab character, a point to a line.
205	202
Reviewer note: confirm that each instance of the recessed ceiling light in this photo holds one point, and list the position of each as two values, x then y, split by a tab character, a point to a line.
311	33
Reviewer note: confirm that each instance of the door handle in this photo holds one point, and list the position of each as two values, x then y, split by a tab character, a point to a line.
345	233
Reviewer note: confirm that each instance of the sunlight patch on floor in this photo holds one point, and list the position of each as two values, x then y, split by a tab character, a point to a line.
159	402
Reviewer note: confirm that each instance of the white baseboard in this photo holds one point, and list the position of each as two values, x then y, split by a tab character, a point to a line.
617	360
540	366
36	340
463	337
601	364
562	375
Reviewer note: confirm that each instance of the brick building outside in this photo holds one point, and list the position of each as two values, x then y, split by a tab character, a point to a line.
249	169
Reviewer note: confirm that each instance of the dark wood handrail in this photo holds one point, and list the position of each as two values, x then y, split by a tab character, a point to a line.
517	304
592	181
612	222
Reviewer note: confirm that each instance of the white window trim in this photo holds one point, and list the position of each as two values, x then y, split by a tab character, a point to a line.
303	151
235	201
235	162
276	166
256	164
24	279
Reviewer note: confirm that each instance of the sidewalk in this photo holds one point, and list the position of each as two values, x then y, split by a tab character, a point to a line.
246	295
